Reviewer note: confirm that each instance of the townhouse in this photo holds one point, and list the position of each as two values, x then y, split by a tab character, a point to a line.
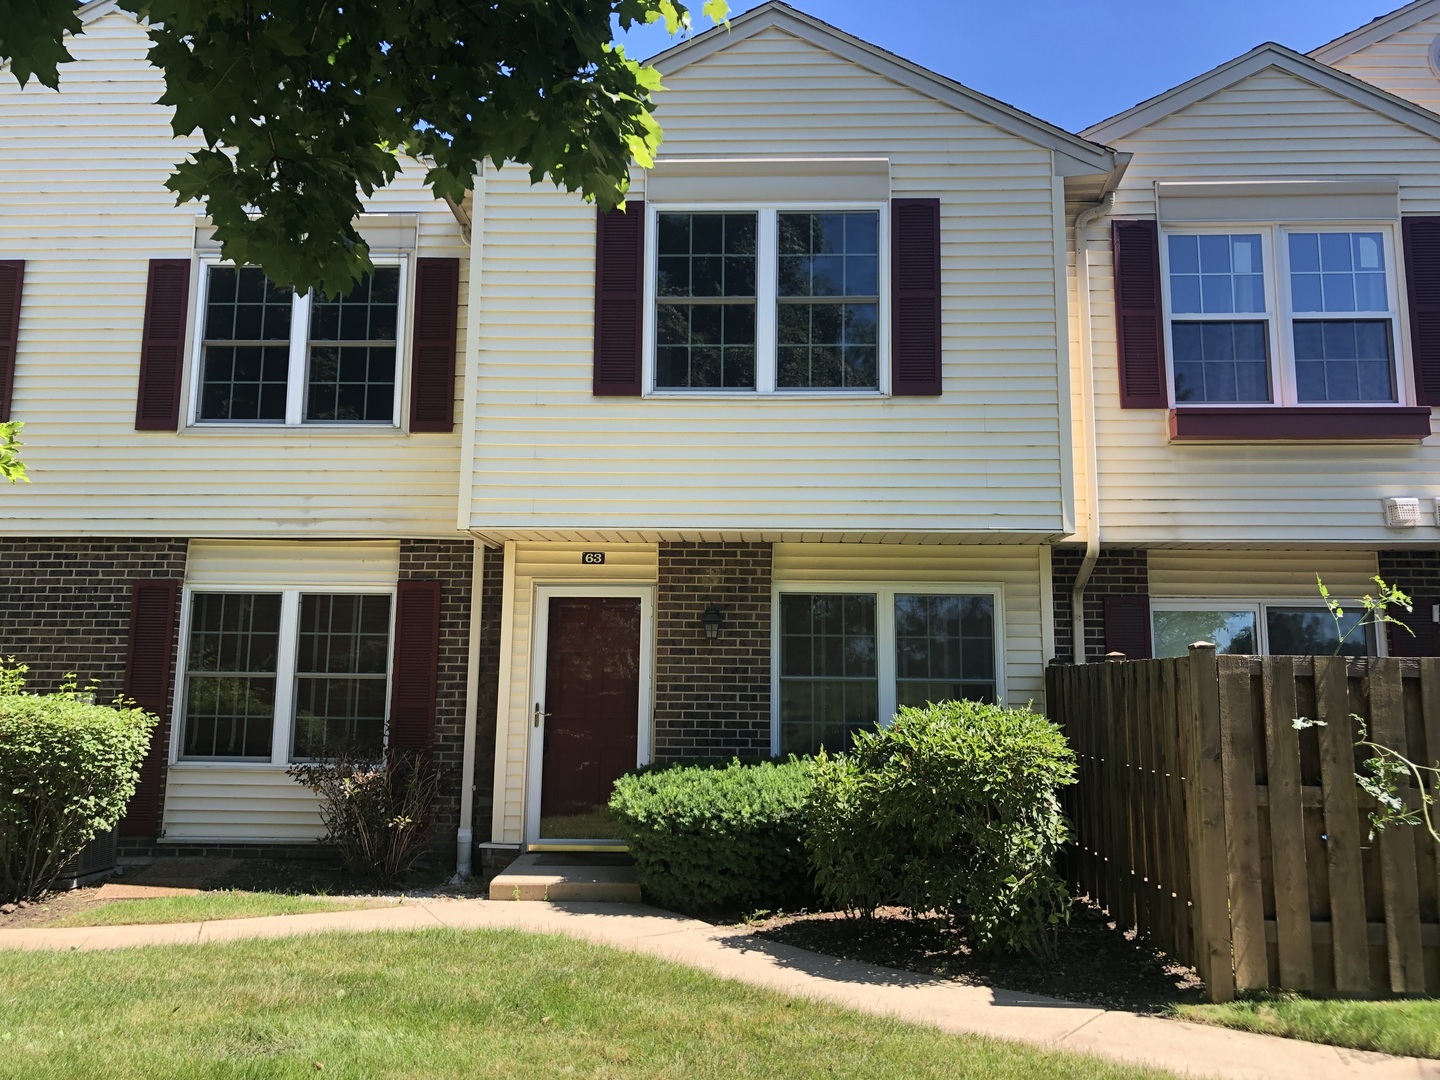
851	407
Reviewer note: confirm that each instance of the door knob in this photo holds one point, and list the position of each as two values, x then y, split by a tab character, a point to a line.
539	712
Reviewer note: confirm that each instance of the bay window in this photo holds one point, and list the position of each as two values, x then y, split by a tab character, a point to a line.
285	675
767	300
1278	315
847	658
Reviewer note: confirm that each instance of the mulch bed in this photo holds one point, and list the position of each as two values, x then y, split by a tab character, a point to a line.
1096	962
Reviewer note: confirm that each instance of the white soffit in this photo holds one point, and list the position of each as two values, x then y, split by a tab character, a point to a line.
1280	200
681	180
1398	21
279	564
1269	55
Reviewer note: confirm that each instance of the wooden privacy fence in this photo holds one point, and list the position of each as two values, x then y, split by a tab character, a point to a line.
1239	844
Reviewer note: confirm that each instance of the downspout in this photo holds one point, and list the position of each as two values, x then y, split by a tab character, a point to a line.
1087	424
465	835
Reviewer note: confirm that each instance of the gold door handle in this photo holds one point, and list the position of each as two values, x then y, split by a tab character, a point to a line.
539	712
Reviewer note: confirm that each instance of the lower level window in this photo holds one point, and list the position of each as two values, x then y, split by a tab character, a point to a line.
285	676
849	659
1282	628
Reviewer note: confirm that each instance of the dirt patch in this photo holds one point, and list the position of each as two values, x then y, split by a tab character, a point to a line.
1096	962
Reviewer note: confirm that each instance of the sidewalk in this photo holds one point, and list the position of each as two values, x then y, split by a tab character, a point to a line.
733	953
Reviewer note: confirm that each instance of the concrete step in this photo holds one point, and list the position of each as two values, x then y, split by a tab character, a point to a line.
544	875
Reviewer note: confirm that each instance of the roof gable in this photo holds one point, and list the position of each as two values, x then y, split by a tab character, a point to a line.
1398	21
1269	55
1075	155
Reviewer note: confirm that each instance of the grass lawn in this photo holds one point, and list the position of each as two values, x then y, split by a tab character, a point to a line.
443	1003
228	904
1411	1028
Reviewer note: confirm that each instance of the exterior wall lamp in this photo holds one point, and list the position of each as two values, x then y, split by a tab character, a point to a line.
711	620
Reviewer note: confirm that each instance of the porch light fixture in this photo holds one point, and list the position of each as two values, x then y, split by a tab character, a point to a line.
711	620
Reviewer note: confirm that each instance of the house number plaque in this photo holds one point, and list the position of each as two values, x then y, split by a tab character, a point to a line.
593	558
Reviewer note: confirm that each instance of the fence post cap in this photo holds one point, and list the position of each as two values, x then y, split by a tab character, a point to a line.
1114	656
1201	645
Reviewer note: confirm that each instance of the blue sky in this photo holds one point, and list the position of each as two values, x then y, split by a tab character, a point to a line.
1072	62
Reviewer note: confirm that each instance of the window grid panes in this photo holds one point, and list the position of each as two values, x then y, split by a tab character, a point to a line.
231	675
1215	357
828	273
1341	359
705	301
340	674
353	345
828	673
944	648
246	348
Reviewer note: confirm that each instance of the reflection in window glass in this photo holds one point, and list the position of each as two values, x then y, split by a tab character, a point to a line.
1301	631
1341	359
1230	631
828	684
1221	361
340	675
829	283
1212	274
944	649
705	301
230	675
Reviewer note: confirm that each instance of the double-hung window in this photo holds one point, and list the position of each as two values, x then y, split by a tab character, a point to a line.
285	676
1281	315
1269	628
768	300
269	355
848	657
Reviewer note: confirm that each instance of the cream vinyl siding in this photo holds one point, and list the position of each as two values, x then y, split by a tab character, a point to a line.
1400	64
315	565
82	200
544	564
1017	570
986	457
238	803
1248	575
1151	492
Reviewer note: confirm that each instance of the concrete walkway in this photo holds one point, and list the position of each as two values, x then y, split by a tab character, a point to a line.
733	953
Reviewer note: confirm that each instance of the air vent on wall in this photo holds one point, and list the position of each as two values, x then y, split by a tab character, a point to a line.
1402	513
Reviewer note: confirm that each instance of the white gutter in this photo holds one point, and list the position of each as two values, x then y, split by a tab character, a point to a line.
465	835
1087	424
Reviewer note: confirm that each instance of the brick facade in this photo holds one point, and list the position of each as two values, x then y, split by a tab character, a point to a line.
1118	572
65	608
1414	571
712	699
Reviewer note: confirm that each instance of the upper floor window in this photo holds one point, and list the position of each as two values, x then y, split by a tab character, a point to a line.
269	355
1285	316
767	300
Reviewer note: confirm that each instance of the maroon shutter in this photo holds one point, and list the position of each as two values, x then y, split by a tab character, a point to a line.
1139	320
1421	236
619	300
417	662
1127	626
12	279
162	345
915	296
1426	637
432	354
149	661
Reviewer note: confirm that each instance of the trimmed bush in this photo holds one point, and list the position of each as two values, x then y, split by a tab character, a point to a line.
67	771
718	837
952	809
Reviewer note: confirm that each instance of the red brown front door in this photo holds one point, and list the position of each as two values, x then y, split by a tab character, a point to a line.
592	697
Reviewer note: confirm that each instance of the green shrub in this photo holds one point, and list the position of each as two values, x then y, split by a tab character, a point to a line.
67	771
952	809
718	837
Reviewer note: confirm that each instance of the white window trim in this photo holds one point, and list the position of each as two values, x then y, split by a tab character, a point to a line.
299	358
283	730
767	319
1257	607
1280	316
885	664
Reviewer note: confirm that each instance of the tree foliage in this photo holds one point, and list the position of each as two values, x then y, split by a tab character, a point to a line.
11	467
304	106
